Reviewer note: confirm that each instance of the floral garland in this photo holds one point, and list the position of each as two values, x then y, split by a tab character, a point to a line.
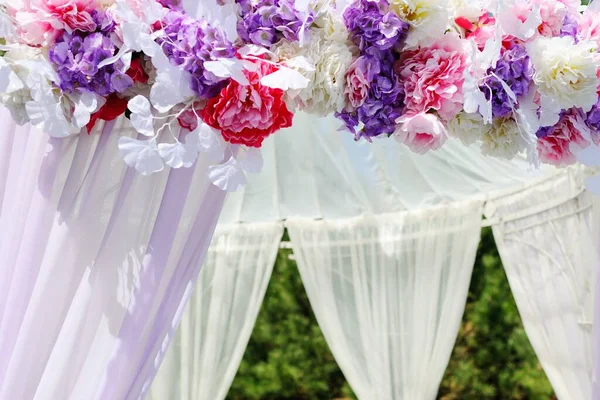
516	76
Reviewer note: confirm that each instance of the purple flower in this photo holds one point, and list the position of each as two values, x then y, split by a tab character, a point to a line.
593	119
266	22
515	69
190	43
570	27
76	58
384	102
372	24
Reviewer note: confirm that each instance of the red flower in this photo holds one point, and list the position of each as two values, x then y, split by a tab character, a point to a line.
136	71
248	114
113	108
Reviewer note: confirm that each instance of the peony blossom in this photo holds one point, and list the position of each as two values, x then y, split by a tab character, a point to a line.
557	144
552	12
428	19
502	139
358	80
565	71
247	114
421	132
41	21
331	57
433	76
467	127
589	27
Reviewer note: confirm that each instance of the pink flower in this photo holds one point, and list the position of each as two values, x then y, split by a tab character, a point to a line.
421	132
589	27
553	13
557	145
41	21
247	114
433	77
358	80
480	31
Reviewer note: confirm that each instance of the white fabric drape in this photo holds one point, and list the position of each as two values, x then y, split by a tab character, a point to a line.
216	327
95	261
389	292
547	238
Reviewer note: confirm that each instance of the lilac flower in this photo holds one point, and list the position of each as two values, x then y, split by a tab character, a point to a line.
190	43
570	27
76	58
266	22
384	102
515	69
372	24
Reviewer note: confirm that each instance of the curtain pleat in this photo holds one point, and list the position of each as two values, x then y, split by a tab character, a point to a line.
217	324
95	262
547	237
389	293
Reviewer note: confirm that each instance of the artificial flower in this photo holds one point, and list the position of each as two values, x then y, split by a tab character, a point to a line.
137	72
565	71
467	127
433	76
247	114
480	29
503	139
358	80
514	70
189	43
114	107
428	19
556	145
421	132
42	21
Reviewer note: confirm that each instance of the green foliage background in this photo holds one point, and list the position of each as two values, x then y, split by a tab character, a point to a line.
288	358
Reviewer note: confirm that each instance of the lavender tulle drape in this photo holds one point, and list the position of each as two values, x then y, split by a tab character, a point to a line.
96	263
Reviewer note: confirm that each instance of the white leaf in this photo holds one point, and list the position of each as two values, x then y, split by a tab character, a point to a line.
228	176
507	89
228	68
253	50
141	154
49	118
251	160
210	141
177	155
141	115
300	63
140	105
549	111
172	87
111	60
302	5
85	105
285	79
474	99
9	80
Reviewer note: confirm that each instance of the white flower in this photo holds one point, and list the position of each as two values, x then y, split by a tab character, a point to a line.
331	59
467	127
470	9
565	71
502	139
429	19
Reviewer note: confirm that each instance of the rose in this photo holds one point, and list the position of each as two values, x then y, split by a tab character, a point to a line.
433	76
421	132
247	114
556	144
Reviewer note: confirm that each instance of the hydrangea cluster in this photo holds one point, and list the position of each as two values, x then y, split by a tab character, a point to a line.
266	22
189	43
374	91
515	70
76	57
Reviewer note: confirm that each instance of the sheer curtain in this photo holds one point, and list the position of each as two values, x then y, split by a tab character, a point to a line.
95	262
547	238
389	293
216	327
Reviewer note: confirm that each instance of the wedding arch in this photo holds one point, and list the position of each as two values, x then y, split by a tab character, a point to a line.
131	119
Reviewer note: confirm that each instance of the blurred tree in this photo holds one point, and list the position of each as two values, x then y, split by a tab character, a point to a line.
288	359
